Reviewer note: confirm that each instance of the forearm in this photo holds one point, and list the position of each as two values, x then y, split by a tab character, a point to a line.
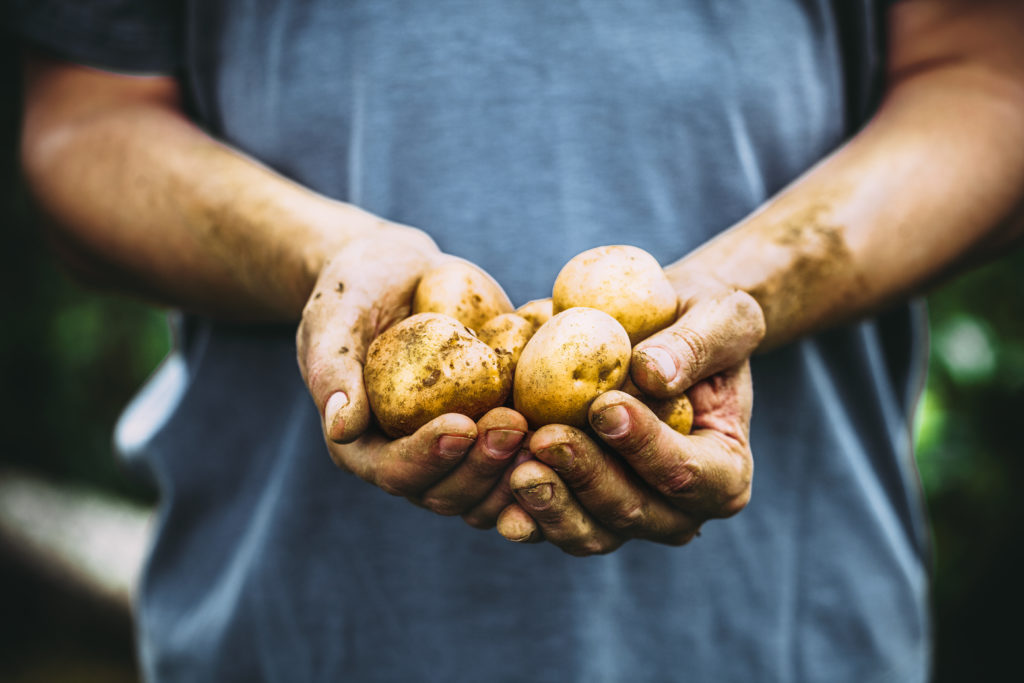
140	196
934	179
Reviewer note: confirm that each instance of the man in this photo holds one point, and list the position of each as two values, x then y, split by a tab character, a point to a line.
516	135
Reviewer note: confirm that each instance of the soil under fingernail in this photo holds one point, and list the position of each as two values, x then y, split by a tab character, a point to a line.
538	496
453	446
559	456
502	443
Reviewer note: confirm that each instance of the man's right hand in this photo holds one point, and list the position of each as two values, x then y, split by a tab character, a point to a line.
452	465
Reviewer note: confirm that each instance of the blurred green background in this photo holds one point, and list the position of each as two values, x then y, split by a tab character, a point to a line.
71	358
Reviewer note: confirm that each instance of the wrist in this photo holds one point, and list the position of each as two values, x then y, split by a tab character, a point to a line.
335	225
696	285
791	257
691	281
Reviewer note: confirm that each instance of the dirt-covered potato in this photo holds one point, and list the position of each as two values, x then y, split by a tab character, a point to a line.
507	334
538	311
625	282
572	359
428	365
461	290
676	412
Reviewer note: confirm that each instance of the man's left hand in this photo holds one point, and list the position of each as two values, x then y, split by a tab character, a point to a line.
639	478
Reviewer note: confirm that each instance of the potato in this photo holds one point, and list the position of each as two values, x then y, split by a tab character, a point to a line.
538	311
625	282
572	359
507	334
461	290
676	412
427	365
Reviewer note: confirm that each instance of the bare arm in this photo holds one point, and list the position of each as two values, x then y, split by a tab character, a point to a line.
932	183
141	199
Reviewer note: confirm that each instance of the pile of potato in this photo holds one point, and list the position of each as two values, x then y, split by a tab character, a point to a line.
465	350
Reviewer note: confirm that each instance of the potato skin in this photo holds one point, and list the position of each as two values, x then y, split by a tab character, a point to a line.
572	359
507	334
676	412
625	282
461	290
427	365
537	312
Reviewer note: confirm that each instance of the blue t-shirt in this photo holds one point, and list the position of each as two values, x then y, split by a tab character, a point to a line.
518	134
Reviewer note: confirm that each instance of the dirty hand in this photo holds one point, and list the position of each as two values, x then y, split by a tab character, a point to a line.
640	478
362	289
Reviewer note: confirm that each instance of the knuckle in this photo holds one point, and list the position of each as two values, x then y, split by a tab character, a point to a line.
639	441
584	480
738	496
553	517
482	470
693	342
629	519
734	504
748	310
448	507
387	480
590	547
680	484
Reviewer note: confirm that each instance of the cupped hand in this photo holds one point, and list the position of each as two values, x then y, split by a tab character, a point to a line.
452	465
634	477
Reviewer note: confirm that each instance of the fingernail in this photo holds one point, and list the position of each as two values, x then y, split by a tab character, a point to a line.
613	421
538	496
661	363
502	443
335	403
454	446
559	456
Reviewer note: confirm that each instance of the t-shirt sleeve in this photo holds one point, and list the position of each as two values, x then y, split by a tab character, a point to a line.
137	36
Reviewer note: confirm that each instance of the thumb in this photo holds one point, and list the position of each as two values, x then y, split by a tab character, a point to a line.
360	292
713	334
331	352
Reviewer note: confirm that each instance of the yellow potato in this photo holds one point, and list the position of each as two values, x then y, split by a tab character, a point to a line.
461	290
507	334
676	412
625	282
427	365
572	359
538	311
